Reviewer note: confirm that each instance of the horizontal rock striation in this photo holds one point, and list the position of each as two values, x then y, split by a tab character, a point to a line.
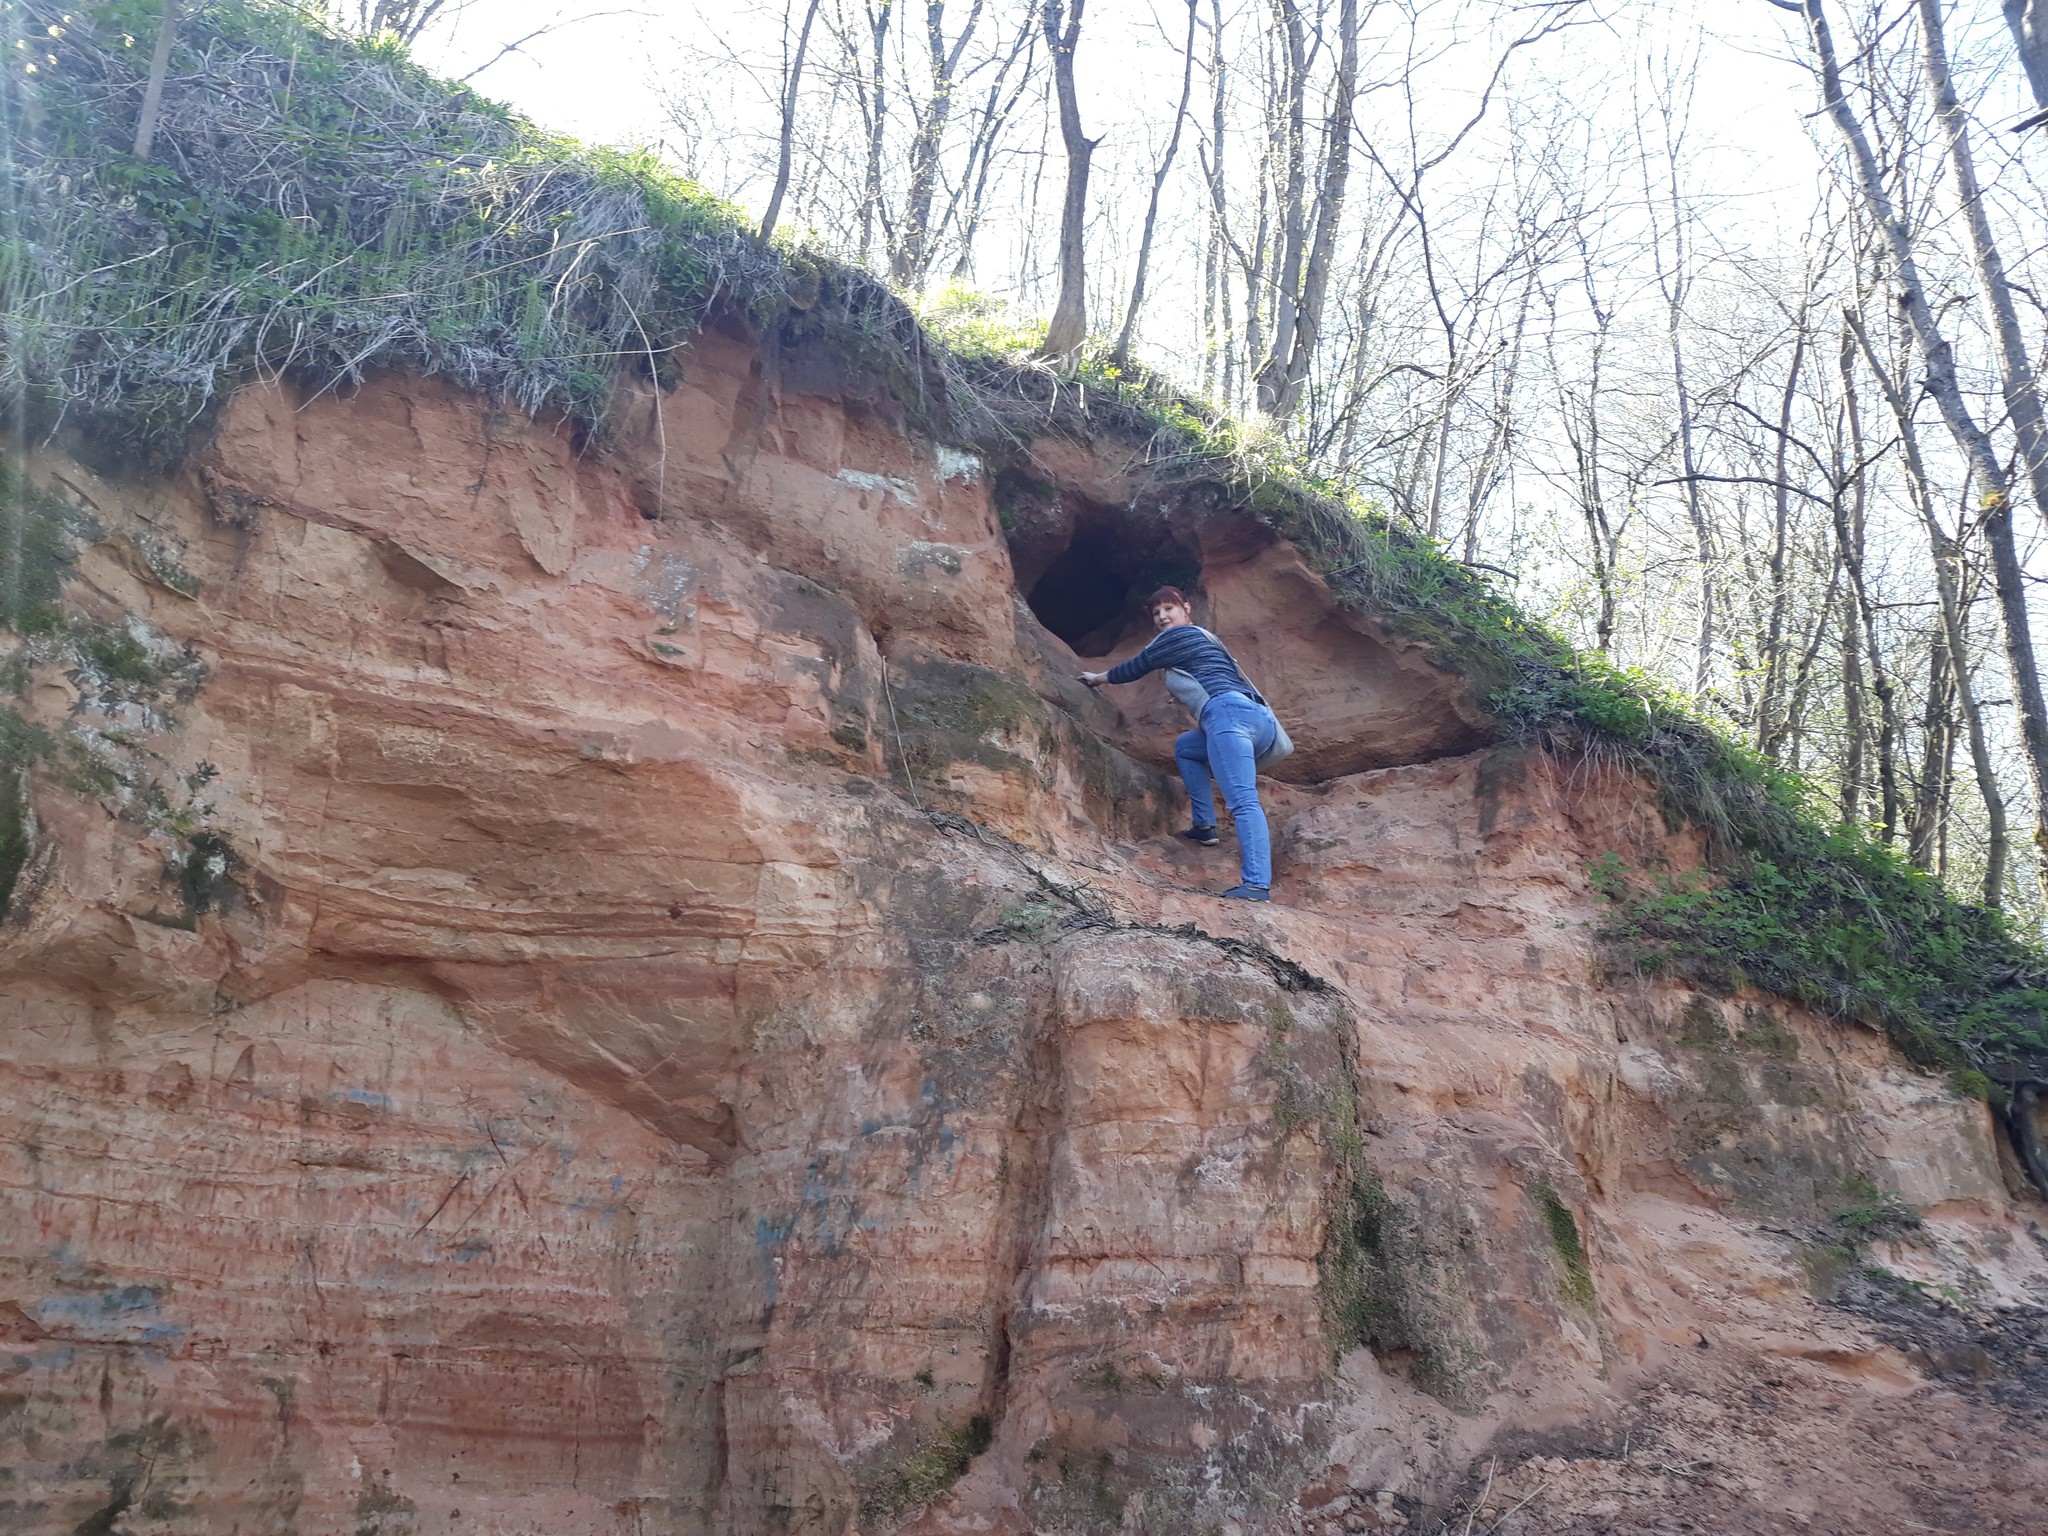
624	987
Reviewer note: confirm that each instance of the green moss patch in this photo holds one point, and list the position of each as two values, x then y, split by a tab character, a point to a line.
21	746
949	711
1576	1282
38	539
896	1487
1849	929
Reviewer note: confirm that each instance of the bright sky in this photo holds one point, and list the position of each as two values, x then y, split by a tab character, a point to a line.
602	78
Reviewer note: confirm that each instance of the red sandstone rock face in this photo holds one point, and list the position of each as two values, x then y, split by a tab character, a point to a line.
519	1021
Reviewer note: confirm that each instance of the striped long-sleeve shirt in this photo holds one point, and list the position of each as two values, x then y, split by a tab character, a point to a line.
1193	650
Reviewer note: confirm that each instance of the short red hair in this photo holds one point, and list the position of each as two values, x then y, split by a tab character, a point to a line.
1172	595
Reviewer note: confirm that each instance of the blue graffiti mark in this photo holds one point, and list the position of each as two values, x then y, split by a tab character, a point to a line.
819	1194
366	1096
769	1236
618	1183
128	1298
164	1333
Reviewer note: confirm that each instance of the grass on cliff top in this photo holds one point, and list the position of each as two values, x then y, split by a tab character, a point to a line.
319	207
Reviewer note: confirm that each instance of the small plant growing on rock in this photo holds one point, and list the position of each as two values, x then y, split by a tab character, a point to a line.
1876	1213
1577	1283
929	1472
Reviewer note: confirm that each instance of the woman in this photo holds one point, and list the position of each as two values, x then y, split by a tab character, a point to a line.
1234	729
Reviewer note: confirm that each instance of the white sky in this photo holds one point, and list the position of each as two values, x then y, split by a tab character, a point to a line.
601	79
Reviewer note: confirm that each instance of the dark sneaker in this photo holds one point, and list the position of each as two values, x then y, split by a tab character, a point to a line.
1201	837
1246	893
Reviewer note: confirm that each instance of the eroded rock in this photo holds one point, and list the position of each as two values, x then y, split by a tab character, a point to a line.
630	990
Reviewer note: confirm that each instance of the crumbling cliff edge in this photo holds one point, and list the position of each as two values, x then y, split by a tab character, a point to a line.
620	985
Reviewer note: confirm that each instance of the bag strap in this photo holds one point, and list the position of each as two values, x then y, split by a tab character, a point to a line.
1237	664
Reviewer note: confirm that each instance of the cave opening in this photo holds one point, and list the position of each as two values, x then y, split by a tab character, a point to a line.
1085	595
1093	579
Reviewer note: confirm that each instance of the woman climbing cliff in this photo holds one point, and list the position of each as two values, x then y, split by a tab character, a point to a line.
1235	734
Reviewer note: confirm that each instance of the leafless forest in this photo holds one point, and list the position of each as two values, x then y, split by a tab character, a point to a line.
1480	259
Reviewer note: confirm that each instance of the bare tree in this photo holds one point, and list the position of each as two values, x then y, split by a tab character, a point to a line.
1068	329
1006	90
1301	271
2018	385
409	21
1861	646
1770	730
1938	357
2028	20
792	83
1581	416
911	260
1180	114
1671	228
868	66
402	19
1948	592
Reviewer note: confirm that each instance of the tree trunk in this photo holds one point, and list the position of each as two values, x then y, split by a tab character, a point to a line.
2022	403
1971	439
2018	385
1585	449
2029	22
1860	625
790	87
871	211
153	91
1954	631
1770	731
1302	279
1180	113
1068	329
1696	513
911	261
1854	711
1923	842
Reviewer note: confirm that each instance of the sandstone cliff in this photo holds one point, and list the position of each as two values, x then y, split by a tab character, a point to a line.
621	986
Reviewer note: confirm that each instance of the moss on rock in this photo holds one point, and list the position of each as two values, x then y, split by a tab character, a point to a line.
895	1485
950	711
1577	1281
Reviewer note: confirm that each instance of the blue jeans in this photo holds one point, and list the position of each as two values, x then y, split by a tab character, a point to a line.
1222	752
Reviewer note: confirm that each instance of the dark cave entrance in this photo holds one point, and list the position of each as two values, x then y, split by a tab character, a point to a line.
1087	571
1085	595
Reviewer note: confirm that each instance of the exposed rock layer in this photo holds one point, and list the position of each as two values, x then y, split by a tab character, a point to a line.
632	991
